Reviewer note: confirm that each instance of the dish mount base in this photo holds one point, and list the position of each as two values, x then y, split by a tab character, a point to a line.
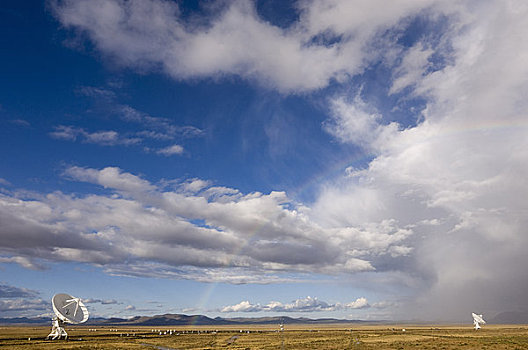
57	329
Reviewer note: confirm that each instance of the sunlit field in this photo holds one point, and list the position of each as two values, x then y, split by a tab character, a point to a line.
268	337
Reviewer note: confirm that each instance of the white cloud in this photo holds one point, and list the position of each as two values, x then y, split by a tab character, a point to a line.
412	67
358	123
260	238
308	304
109	177
97	92
359	303
171	150
152	35
65	132
243	306
103	137
194	185
149	134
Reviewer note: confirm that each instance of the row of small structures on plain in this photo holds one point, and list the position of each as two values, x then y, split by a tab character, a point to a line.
175	332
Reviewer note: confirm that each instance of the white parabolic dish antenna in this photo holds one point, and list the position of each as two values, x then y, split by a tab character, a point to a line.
69	309
477	320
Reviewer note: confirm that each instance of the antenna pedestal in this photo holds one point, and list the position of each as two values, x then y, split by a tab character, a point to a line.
57	329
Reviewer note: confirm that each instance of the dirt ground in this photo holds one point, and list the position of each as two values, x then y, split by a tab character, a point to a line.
267	337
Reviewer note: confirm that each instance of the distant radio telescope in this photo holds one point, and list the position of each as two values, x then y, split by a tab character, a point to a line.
477	320
67	309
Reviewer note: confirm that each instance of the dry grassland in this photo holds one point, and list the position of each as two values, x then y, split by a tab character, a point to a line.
295	337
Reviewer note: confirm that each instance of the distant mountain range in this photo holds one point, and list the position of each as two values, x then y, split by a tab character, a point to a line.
201	320
182	320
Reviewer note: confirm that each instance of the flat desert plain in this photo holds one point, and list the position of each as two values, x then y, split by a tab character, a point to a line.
268	337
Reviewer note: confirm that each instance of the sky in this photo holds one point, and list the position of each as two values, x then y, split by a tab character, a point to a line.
312	158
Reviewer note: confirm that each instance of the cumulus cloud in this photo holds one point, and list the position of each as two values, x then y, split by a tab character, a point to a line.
196	226
109	177
359	303
330	41
308	304
243	306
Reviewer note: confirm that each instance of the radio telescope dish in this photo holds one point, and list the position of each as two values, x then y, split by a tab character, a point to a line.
477	320
67	309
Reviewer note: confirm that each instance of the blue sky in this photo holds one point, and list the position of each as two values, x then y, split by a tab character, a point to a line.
346	159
